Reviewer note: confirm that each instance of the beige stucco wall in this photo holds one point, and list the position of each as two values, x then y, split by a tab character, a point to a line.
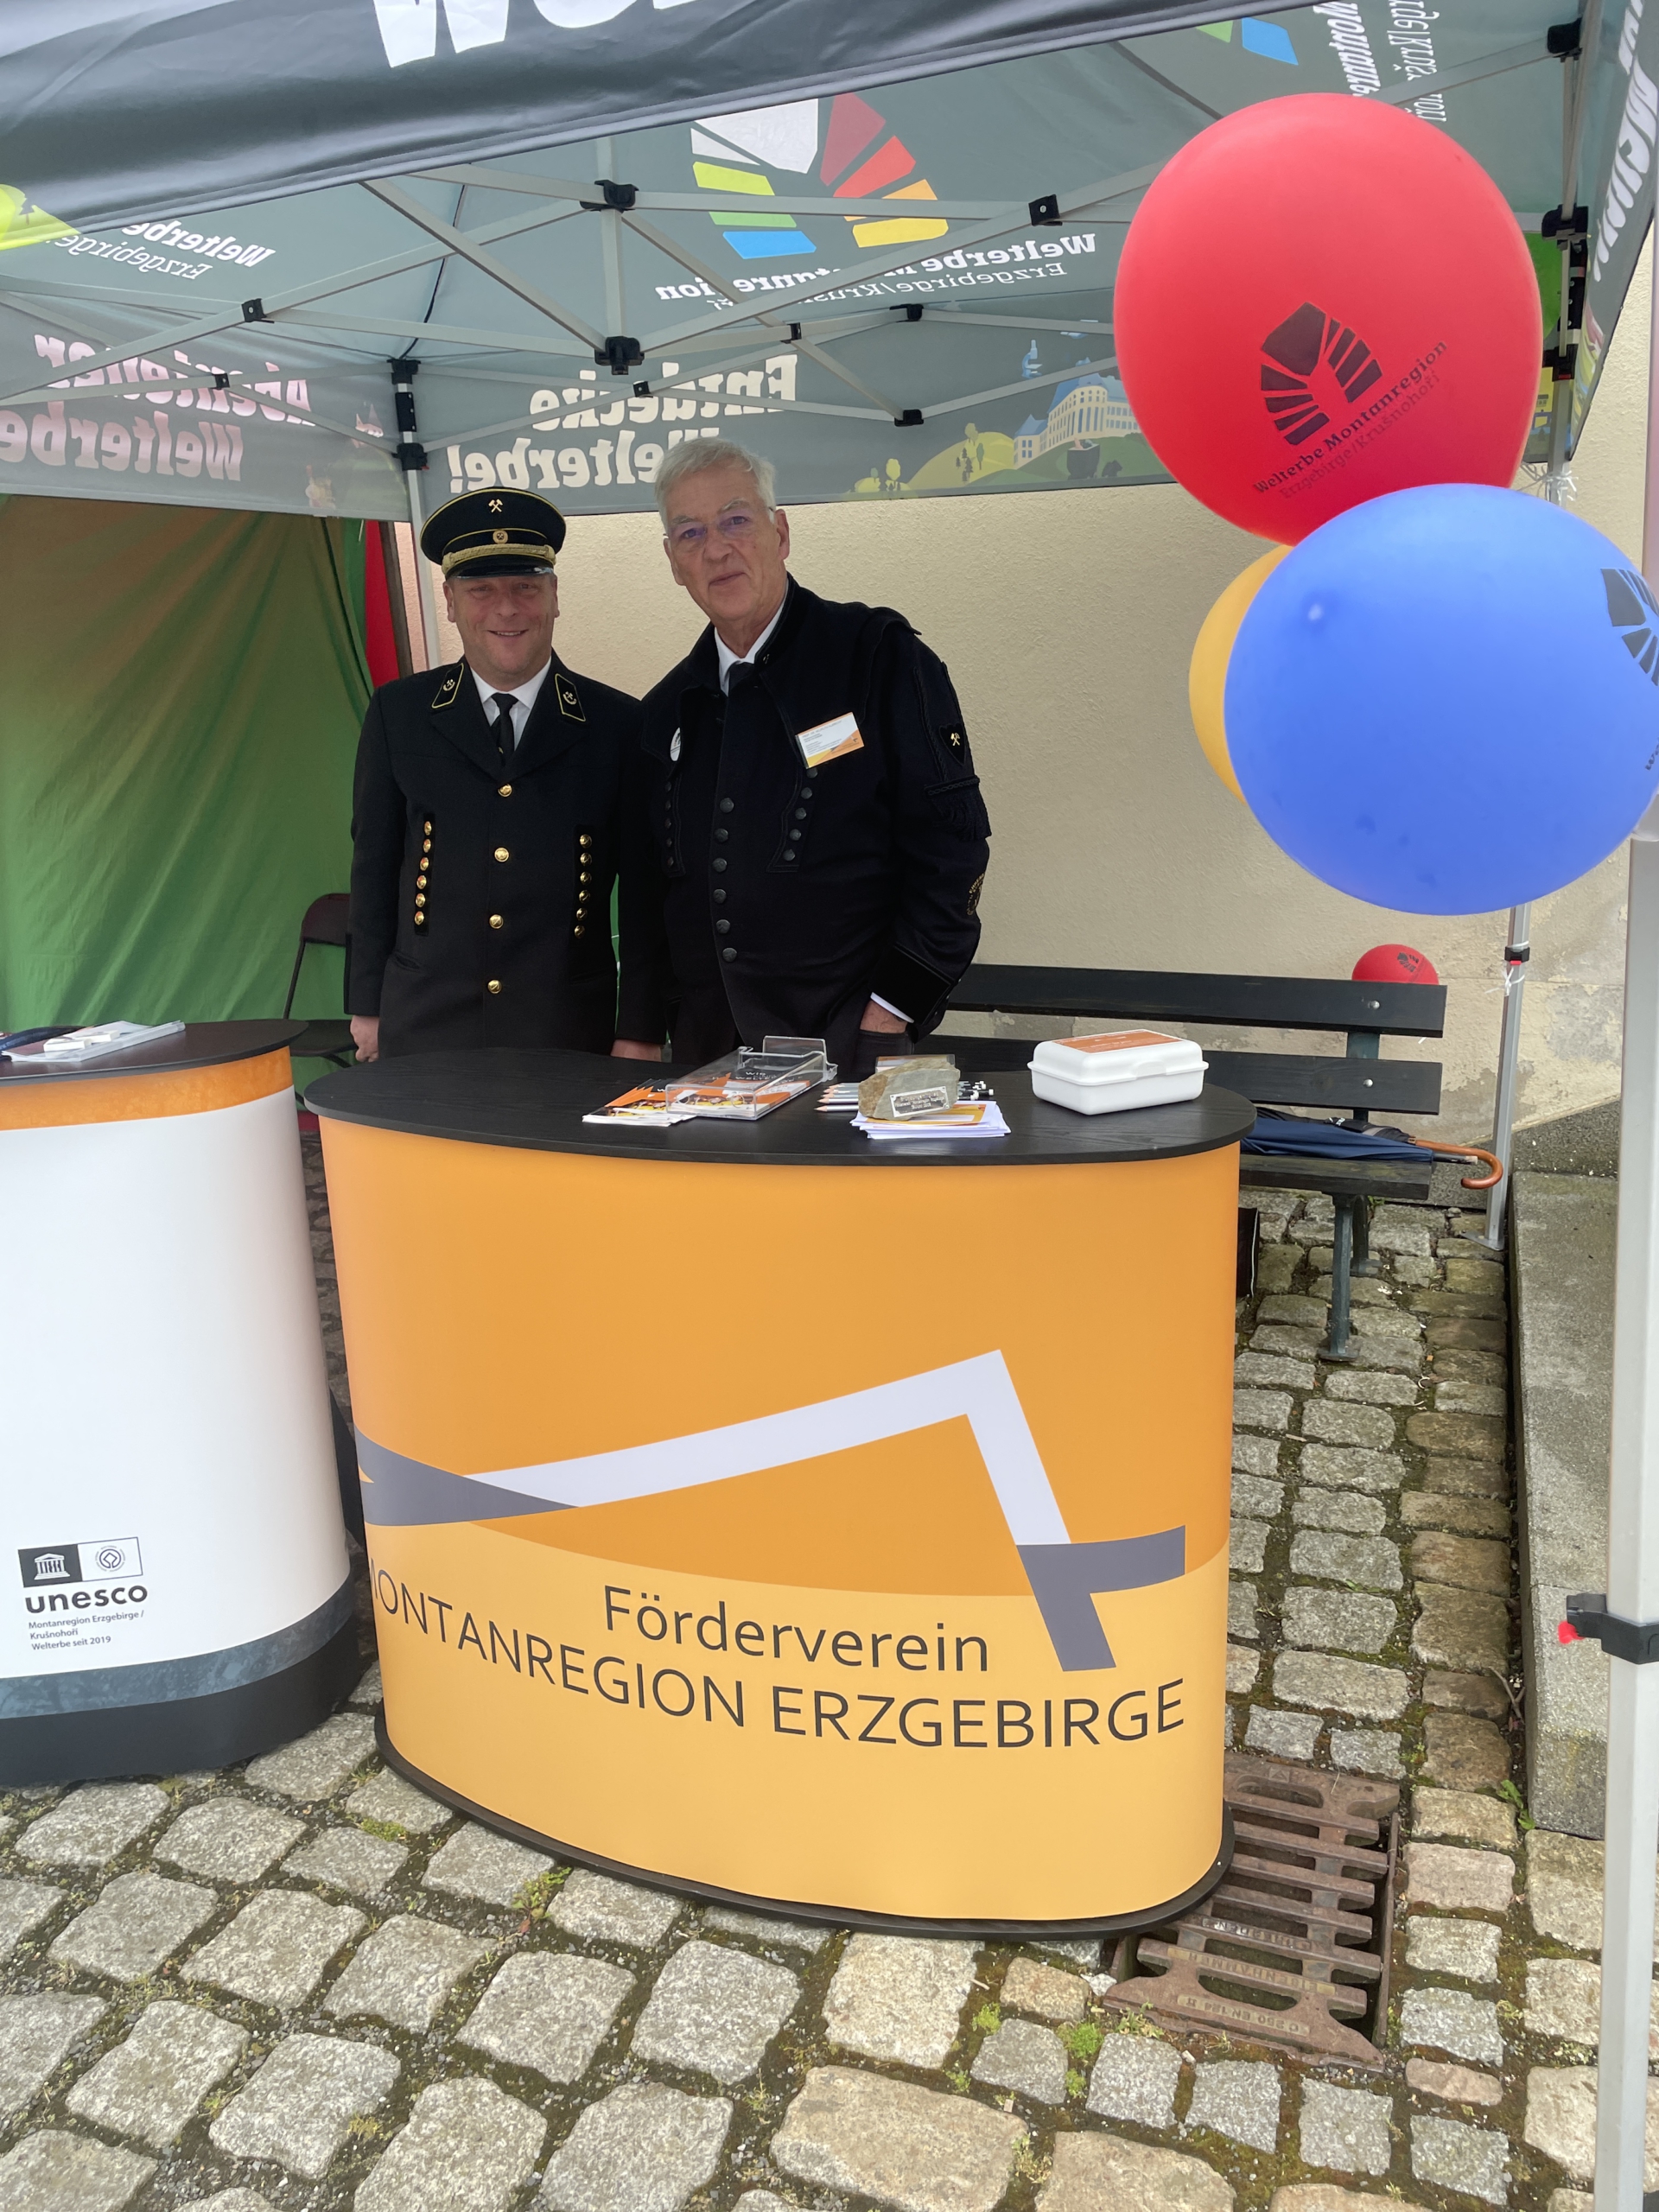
1067	619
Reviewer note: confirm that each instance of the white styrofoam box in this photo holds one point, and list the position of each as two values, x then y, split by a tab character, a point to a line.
1117	1070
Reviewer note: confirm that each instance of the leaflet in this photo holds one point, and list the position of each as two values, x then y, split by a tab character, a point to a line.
647	1108
744	1085
978	1118
74	1047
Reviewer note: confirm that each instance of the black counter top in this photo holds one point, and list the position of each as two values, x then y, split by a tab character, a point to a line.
197	1045
535	1101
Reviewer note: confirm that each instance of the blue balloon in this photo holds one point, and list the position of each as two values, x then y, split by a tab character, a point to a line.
1446	699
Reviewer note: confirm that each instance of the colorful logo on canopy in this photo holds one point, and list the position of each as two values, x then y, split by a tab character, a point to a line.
23	223
1314	362
784	137
1633	610
854	152
1270	41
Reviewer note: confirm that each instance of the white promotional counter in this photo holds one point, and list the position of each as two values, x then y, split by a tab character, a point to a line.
170	1520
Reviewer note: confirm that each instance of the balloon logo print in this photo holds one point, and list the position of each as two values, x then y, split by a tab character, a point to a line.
1296	349
1630	606
1286	347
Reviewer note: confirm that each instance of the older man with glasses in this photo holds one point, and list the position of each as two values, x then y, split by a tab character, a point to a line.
803	837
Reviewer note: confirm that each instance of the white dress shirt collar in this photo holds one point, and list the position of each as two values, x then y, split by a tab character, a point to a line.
524	696
729	660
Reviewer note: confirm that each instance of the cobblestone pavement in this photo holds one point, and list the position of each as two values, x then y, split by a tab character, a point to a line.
300	1983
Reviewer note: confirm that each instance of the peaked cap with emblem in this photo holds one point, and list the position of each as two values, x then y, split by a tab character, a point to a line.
500	533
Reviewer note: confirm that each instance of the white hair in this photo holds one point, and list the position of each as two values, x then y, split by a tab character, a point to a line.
693	456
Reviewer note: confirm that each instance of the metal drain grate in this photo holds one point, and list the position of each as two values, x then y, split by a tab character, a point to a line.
1294	1942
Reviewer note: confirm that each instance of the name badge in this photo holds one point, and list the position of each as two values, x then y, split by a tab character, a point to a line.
828	740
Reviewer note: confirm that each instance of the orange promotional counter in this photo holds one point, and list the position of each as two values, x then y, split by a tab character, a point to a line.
833	1526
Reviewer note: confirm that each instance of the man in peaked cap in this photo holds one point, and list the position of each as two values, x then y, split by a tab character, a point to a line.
484	823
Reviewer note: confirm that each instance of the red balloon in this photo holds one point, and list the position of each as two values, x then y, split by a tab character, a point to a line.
1394	964
1321	300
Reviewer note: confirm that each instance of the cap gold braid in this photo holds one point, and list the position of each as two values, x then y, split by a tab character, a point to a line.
497	543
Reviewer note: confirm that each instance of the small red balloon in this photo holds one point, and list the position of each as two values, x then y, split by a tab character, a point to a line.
1394	964
1291	340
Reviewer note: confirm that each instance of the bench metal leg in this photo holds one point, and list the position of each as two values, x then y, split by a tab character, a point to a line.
1342	1253
1364	1264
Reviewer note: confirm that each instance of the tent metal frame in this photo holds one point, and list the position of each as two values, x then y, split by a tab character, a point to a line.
746	329
621	209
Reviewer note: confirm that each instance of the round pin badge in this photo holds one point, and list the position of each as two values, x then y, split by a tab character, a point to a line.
674	746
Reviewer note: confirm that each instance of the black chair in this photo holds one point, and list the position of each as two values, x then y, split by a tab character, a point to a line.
325	922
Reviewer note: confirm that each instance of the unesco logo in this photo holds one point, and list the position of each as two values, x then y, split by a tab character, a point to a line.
1633	611
102	1558
1317	363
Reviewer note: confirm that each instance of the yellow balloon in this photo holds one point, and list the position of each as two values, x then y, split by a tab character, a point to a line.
1206	679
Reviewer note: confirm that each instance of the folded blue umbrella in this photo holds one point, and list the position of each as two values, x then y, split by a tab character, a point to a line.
1289	1135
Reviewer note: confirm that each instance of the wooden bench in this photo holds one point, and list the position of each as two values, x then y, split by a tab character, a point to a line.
1357	1084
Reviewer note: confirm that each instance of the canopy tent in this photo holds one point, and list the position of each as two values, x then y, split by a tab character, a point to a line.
882	238
897	291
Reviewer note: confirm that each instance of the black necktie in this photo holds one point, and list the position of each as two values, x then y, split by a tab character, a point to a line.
501	729
740	673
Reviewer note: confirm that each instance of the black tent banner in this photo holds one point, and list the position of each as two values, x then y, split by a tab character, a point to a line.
1620	176
116	107
879	246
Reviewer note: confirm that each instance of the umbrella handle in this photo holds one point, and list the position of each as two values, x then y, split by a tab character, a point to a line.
1469	1152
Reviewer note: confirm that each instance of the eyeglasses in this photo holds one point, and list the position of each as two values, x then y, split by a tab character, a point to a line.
737	526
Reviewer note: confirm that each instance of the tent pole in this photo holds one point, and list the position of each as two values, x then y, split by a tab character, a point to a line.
1516	949
1632	1824
424	576
411	456
1517	946
399	605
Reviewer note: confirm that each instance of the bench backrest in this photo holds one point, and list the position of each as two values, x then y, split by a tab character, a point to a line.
1360	1082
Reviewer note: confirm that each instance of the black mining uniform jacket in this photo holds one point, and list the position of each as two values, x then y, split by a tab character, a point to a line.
761	896
480	897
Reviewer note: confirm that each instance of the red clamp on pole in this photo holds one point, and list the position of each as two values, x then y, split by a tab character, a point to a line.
1588	1620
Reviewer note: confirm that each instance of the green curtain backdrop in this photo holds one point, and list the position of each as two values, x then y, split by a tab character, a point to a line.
181	697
